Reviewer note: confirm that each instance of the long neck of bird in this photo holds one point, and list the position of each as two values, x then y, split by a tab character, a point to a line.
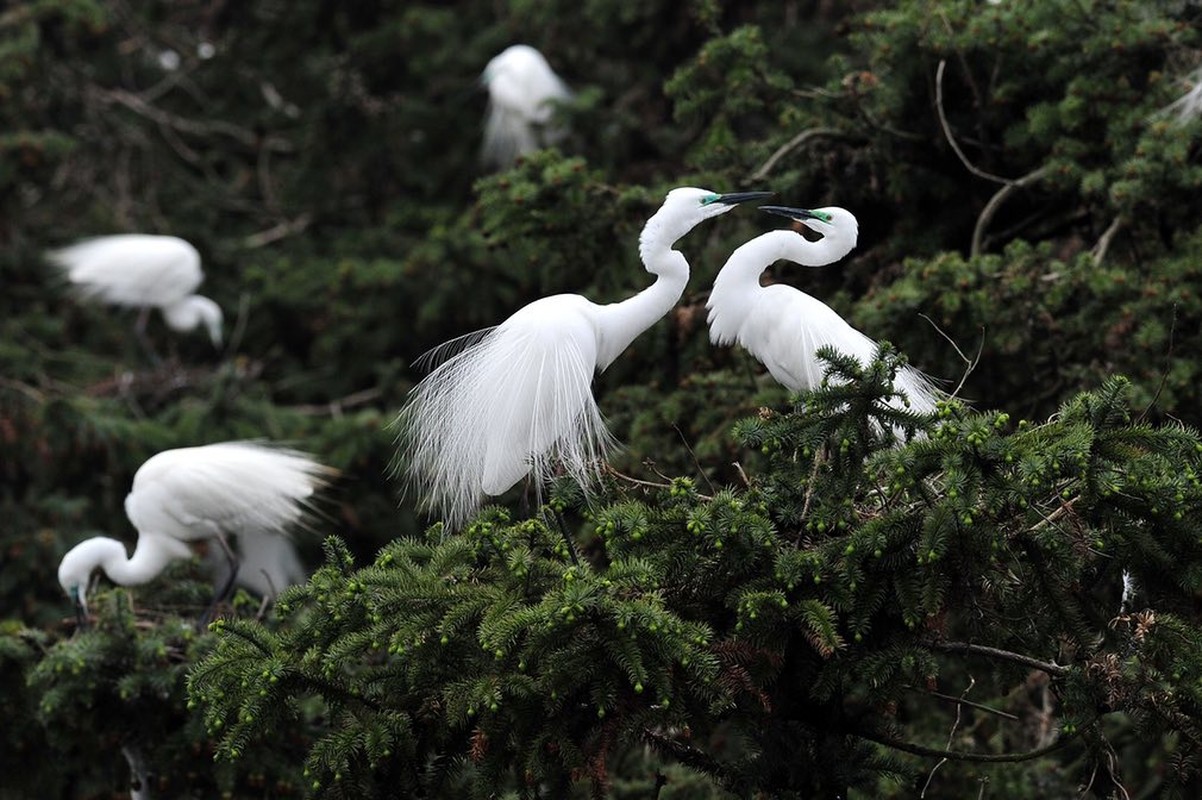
738	282
151	556
627	319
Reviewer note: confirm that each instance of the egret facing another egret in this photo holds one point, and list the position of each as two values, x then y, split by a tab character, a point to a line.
783	327
142	271
522	93
518	397
248	489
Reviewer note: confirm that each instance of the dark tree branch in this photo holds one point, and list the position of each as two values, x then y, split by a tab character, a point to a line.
1002	655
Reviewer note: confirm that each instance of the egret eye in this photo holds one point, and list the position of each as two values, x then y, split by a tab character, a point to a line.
710	199
821	216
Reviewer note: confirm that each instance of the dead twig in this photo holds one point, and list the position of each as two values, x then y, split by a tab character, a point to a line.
789	146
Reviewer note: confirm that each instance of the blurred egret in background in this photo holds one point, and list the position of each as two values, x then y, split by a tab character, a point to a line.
518	398
783	327
142	271
523	91
246	489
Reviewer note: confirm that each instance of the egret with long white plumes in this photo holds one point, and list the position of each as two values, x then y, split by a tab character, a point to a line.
523	92
517	399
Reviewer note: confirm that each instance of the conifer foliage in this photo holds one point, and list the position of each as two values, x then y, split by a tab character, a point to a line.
793	615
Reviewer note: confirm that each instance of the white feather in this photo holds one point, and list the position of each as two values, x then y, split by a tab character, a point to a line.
247	489
783	327
141	271
517	399
523	91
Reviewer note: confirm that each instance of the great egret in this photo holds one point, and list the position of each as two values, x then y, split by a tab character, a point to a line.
142	271
517	398
783	327
248	489
522	93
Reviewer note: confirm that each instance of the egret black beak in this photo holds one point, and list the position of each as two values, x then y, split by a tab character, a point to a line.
734	198
797	214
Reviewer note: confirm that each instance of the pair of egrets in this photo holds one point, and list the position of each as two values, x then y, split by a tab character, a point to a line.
516	400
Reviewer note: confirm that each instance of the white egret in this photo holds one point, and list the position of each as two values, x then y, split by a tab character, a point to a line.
784	327
247	489
142	271
517	399
522	93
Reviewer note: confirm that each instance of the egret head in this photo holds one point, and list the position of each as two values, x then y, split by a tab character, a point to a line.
686	207
75	571
514	59
832	222
193	311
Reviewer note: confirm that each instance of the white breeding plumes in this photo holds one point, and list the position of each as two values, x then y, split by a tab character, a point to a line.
247	489
523	91
1188	106
517	399
142	271
783	327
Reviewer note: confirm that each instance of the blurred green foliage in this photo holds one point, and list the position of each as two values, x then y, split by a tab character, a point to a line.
1017	181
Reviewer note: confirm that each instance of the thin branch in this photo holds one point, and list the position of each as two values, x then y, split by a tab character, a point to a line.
962	701
1002	655
995	202
971	363
649	484
1099	250
960	755
195	127
791	145
334	408
951	735
1168	364
947	130
289	227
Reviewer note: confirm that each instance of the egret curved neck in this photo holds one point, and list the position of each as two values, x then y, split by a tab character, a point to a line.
620	323
151	556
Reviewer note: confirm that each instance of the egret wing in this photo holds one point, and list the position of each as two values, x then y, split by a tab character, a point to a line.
231	487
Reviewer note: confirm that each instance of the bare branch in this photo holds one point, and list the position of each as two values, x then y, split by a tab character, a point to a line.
1099	250
195	127
947	130
1002	655
960	755
961	701
789	146
971	363
289	227
995	202
334	408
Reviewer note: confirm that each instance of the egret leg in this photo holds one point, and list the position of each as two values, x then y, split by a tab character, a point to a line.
567	539
227	588
143	339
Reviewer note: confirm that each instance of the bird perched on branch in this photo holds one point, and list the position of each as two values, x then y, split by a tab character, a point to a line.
517	399
142	271
250	490
784	327
523	91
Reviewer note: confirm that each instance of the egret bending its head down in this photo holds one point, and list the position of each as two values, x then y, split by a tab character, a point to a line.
783	327
142	271
518	399
522	93
247	489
